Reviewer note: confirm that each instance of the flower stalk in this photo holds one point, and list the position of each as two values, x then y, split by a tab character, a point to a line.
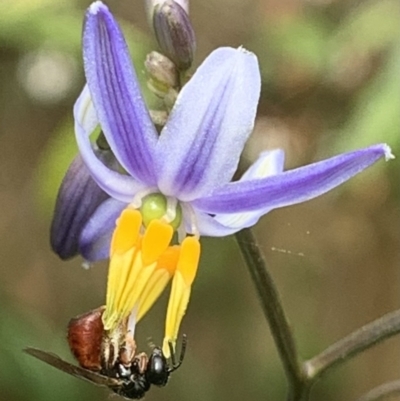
272	307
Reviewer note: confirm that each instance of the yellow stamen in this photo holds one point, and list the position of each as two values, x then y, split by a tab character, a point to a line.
189	259
156	240
133	261
126	232
166	267
178	301
169	259
118	273
180	290
129	288
134	285
153	290
124	246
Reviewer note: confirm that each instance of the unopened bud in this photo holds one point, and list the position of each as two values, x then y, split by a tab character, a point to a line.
162	73
151	4
159	117
174	33
170	98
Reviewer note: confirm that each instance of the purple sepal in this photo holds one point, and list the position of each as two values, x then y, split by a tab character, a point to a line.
94	242
79	196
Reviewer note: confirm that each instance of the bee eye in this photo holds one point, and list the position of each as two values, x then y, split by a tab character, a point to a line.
157	372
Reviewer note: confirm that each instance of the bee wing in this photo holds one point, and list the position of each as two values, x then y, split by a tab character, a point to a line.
77	371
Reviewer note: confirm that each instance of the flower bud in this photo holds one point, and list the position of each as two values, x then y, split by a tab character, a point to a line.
170	98
162	73
159	117
151	4
174	33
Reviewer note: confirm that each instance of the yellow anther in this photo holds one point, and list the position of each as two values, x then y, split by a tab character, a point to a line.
156	240
169	259
118	273
127	231
124	248
141	267
155	286
165	269
178	302
180	290
189	259
135	284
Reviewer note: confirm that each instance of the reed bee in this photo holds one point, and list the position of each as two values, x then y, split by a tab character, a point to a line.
111	360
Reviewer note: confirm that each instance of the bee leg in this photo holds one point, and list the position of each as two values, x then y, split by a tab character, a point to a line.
176	364
109	355
122	371
127	351
141	361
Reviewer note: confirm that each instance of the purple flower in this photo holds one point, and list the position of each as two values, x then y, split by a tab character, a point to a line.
190	165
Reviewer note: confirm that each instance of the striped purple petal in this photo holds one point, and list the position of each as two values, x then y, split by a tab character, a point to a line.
119	186
268	164
293	186
116	95
200	145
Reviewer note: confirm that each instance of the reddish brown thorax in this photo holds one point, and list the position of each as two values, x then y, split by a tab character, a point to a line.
96	349
85	338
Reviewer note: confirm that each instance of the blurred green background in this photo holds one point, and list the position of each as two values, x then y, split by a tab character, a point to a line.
331	79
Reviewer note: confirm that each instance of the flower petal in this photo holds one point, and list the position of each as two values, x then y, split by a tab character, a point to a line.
269	163
293	186
95	239
220	225
121	187
115	90
209	226
200	145
78	197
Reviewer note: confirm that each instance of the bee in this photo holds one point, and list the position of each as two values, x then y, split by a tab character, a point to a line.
111	360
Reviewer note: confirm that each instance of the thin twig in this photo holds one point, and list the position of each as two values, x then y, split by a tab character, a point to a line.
383	392
358	341
273	310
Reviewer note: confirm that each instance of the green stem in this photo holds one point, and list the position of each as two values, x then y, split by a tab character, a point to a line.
384	392
358	341
273	311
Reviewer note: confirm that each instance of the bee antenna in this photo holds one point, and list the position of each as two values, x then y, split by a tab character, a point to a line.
183	349
150	343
